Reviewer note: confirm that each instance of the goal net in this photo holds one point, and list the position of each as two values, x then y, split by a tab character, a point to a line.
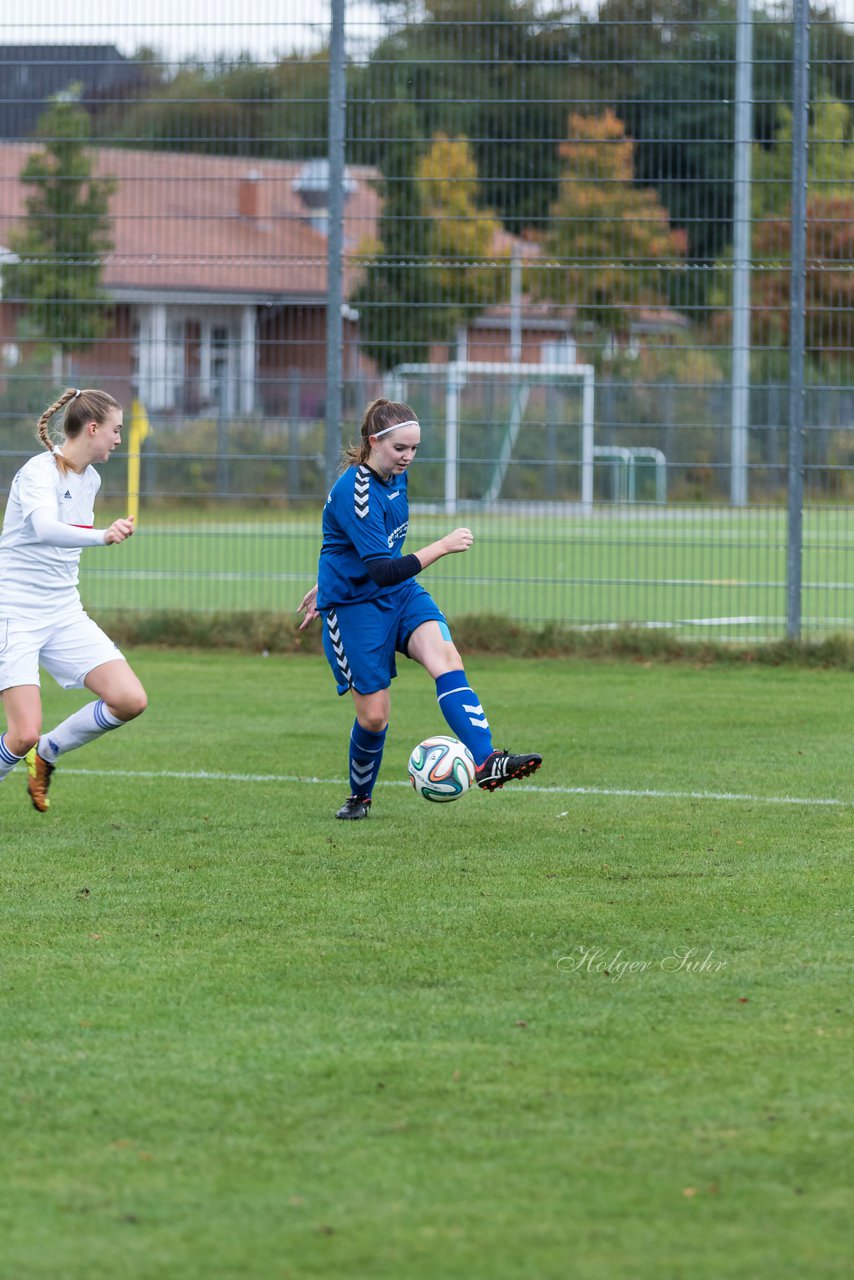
501	432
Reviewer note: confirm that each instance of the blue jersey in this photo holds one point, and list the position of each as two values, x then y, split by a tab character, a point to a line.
365	518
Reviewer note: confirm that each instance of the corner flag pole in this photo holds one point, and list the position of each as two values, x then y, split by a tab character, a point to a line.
139	429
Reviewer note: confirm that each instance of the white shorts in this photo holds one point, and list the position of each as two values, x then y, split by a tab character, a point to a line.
68	648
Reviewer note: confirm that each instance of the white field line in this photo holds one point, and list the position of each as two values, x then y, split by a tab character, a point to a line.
644	793
196	575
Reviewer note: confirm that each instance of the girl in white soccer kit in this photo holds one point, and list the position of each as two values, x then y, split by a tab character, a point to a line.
49	520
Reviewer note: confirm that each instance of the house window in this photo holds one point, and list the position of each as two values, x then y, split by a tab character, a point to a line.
186	360
560	354
222	368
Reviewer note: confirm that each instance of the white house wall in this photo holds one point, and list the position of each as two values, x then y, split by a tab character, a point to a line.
160	356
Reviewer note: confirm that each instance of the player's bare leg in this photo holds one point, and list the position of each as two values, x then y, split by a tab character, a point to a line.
23	710
121	698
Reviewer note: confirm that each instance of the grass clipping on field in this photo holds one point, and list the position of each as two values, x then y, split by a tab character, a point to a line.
482	633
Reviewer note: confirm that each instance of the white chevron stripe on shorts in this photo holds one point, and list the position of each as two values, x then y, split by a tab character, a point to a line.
338	647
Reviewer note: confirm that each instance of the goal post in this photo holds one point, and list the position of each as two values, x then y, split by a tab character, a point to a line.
455	375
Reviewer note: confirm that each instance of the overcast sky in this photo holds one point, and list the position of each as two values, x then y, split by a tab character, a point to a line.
263	27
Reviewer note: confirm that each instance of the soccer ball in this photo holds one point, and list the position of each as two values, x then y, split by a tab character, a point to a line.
441	769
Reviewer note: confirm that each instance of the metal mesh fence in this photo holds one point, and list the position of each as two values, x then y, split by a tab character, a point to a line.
568	237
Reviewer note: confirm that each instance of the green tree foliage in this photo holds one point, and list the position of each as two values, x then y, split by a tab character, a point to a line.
462	238
61	246
829	285
609	241
503	73
830	159
30	384
440	259
670	76
396	314
830	242
498	72
240	108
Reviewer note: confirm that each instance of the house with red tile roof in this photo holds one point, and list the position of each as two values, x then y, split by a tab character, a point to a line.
218	276
218	285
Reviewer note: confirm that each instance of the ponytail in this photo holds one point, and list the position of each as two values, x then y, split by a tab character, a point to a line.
379	416
88	406
42	429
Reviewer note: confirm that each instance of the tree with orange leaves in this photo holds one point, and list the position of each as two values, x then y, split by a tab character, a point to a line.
829	281
609	248
465	240
441	257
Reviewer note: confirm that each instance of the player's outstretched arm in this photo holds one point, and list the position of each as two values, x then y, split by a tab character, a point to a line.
387	571
55	533
454	542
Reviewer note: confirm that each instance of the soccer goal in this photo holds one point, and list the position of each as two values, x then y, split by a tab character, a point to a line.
624	464
516	396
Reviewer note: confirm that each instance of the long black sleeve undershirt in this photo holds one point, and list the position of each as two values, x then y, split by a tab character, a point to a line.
394	569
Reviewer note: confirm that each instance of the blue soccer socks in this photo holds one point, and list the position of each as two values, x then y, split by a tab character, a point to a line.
366	755
460	706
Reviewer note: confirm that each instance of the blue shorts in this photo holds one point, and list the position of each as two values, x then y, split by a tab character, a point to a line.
360	640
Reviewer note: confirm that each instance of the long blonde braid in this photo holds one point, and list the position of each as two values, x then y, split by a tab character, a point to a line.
42	429
87	406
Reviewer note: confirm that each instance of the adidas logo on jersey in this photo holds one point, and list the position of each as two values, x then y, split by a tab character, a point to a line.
67	493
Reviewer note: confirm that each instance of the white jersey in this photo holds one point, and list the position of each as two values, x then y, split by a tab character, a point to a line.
34	577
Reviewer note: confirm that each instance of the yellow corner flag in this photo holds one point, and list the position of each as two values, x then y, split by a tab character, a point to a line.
139	429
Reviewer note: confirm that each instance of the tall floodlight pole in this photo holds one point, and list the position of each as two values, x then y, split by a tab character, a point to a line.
335	243
741	254
797	316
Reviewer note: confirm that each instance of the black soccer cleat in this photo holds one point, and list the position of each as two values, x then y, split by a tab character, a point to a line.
354	807
500	767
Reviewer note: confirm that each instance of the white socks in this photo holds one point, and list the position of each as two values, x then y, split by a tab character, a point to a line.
83	726
7	760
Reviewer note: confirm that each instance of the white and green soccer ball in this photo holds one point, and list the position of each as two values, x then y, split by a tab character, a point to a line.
441	769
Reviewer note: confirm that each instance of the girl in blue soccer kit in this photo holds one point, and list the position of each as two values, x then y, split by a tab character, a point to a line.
372	607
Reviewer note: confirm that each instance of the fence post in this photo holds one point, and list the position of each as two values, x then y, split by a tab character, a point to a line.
741	256
335	243
223	462
797	327
294	441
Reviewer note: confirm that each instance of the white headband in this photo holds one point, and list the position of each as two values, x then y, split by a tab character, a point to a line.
410	422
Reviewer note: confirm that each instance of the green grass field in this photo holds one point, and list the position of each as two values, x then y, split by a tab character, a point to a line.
702	572
592	1026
